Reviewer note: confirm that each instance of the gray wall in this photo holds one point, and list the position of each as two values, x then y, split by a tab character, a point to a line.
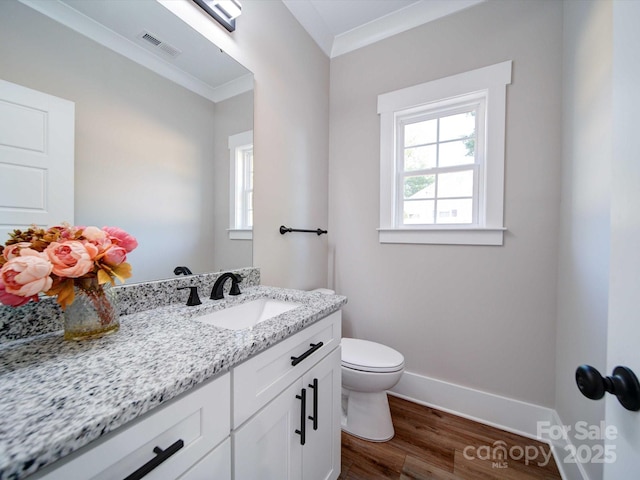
291	141
481	317
291	136
583	274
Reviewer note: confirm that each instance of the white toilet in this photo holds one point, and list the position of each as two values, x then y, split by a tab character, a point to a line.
368	370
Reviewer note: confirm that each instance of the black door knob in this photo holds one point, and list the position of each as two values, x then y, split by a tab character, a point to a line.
623	384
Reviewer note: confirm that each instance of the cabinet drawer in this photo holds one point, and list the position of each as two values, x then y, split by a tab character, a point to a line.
258	380
199	420
215	466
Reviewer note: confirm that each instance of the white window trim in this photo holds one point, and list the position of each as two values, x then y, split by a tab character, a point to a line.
240	234
237	141
493	80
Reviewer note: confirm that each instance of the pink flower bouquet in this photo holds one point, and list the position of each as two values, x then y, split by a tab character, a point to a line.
55	260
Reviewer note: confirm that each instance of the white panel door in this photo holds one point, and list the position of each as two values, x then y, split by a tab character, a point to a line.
321	452
36	158
267	446
623	346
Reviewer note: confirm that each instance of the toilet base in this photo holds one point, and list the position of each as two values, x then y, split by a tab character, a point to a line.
366	415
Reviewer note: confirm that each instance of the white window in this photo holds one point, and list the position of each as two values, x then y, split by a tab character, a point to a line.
442	160
241	181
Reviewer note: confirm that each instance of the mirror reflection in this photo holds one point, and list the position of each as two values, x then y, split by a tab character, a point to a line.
152	155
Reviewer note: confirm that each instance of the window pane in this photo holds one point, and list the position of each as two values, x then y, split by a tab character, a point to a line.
457	126
455	211
419	158
420	186
455	184
461	152
420	133
418	212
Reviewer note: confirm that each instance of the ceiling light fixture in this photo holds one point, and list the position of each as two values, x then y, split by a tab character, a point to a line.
224	11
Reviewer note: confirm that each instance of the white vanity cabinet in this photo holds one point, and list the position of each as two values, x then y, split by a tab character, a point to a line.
188	438
275	416
287	417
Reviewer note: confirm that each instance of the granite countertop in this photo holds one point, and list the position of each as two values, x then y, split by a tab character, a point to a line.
57	396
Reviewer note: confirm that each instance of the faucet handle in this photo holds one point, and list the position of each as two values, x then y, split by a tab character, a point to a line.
194	299
235	290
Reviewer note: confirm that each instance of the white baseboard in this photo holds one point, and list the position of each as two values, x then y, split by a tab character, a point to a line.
560	449
514	416
506	413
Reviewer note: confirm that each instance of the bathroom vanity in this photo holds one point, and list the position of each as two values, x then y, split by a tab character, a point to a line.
179	397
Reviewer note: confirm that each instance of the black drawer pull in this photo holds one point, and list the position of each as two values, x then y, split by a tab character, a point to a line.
303	413
314	347
161	456
314	418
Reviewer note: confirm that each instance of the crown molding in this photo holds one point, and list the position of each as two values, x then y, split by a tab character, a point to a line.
397	22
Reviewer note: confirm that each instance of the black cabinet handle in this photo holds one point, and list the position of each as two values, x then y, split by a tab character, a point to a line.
314	347
314	417
303	413
161	456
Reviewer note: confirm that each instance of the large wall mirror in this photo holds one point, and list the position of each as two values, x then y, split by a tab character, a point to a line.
154	113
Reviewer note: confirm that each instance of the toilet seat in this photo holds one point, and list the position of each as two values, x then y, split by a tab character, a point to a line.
367	356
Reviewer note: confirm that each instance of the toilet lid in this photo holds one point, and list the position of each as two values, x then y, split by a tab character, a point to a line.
370	356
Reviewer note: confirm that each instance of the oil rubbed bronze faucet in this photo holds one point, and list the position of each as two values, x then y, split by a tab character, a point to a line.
217	290
193	296
182	271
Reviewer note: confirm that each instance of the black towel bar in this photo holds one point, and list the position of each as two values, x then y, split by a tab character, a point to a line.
284	230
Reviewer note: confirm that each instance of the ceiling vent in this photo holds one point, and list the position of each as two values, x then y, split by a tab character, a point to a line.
156	43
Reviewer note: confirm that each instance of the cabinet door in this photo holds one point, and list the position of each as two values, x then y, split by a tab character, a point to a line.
267	446
321	452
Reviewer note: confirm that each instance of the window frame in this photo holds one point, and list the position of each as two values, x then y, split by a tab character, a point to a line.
239	145
488	83
474	102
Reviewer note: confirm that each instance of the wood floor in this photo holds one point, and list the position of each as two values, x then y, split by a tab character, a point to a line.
431	444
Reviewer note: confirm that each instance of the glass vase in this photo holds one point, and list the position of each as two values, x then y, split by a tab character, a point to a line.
94	311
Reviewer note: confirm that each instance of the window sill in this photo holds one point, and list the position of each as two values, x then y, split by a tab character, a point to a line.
240	234
443	235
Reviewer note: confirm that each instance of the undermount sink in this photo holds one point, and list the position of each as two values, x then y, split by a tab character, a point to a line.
247	314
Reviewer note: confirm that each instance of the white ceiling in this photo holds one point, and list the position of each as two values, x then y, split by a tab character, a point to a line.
341	26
